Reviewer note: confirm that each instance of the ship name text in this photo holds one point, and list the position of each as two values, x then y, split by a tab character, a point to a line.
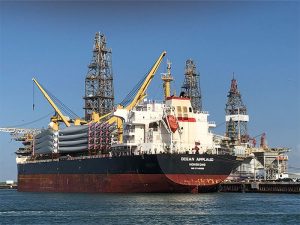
196	159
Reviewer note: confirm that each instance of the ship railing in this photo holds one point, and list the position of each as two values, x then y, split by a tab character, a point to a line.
203	112
156	102
127	131
68	158
212	124
41	160
150	101
130	142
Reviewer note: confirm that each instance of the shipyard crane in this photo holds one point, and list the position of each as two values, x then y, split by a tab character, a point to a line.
59	117
17	132
140	95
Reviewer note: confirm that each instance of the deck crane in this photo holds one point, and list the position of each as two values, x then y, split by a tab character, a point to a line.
140	95
59	117
114	117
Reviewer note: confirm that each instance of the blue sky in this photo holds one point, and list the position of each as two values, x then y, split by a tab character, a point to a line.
258	41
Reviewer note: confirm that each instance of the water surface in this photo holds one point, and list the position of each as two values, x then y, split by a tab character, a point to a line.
212	208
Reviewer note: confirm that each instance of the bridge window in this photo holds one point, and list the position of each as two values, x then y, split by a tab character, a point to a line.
179	114
153	125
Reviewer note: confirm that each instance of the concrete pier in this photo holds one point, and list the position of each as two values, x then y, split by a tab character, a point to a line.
261	186
8	186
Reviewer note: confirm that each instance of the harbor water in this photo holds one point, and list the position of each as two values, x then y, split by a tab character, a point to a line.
209	208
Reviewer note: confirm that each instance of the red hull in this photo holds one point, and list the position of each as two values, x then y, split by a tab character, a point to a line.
118	183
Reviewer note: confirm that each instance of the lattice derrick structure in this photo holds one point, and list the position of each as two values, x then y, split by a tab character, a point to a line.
191	85
99	92
236	122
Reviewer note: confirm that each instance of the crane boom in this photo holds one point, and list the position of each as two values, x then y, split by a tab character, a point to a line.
141	93
138	97
64	119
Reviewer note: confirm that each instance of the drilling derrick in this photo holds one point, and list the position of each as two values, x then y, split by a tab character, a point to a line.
236	115
191	85
99	92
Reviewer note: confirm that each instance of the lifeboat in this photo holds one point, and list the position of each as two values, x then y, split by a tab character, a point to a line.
172	123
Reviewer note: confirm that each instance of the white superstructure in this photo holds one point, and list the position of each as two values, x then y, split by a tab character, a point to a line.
170	126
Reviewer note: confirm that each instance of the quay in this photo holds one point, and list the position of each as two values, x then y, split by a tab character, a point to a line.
244	187
260	187
4	185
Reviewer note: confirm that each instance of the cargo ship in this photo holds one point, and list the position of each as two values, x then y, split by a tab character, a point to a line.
162	151
165	149
144	146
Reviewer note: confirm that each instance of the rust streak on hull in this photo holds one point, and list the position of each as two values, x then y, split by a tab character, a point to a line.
117	183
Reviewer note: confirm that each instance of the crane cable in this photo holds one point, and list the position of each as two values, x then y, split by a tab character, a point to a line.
132	93
61	105
129	97
32	96
31	122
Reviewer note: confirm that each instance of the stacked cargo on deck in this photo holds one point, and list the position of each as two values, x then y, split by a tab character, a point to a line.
46	142
70	139
73	139
99	136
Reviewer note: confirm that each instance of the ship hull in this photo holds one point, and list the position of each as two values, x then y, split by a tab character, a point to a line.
127	174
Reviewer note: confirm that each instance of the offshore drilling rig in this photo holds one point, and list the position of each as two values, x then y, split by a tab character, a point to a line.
99	91
261	162
191	85
236	116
